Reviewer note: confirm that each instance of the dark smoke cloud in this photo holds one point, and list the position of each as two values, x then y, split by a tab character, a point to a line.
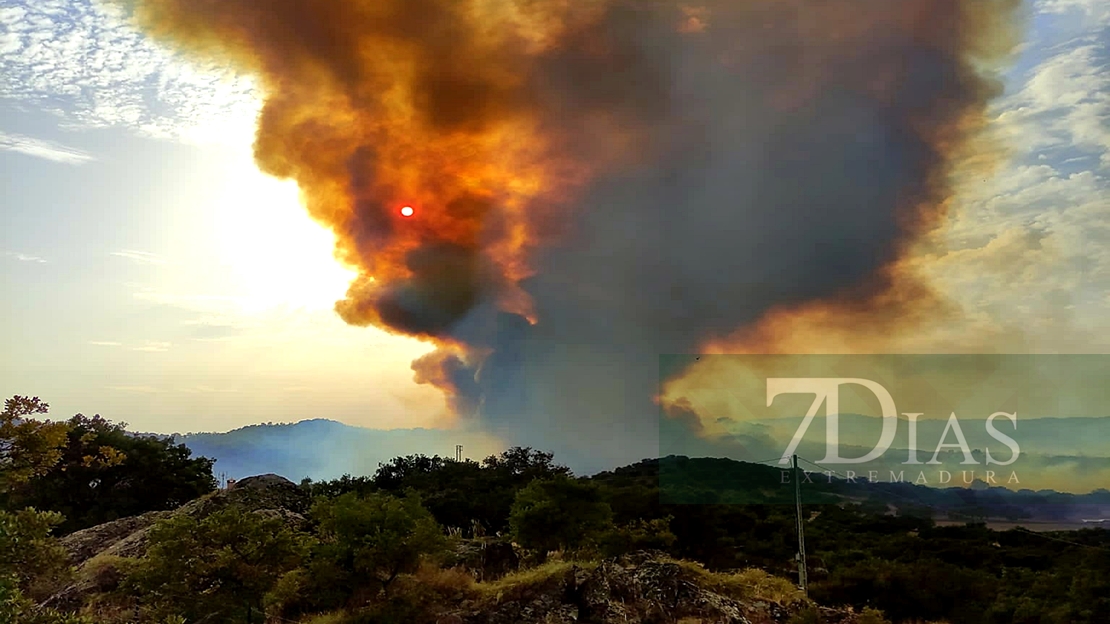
696	166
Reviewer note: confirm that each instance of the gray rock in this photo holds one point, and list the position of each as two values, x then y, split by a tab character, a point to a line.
268	495
638	589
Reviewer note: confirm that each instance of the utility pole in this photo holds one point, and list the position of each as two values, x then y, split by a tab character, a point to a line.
458	452
802	580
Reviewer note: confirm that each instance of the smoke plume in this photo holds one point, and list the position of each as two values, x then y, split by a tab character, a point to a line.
595	183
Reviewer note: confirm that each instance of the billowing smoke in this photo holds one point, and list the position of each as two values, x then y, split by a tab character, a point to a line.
595	183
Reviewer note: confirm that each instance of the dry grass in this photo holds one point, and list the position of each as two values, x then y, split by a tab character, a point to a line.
104	572
871	616
750	584
520	582
335	617
446	582
110	608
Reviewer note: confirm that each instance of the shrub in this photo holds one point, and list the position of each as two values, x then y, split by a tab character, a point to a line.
559	514
218	567
871	616
378	536
808	615
638	535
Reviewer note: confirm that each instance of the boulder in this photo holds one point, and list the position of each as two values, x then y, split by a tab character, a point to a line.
487	559
639	589
269	495
124	537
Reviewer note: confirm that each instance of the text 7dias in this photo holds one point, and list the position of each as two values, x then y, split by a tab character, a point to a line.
827	391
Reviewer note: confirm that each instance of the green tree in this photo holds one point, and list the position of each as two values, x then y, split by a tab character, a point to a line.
29	555
217	568
28	447
638	535
103	472
15	608
560	513
31	560
379	537
459	493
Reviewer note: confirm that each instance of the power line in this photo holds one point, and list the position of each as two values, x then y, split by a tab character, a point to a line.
1058	539
777	458
802	577
845	477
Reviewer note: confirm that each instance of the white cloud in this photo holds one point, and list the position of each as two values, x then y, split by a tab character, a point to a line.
22	257
205	390
80	60
1064	105
151	346
206	304
136	389
142	257
1030	246
1096	11
40	148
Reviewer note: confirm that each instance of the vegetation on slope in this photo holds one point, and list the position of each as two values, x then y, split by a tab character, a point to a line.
415	542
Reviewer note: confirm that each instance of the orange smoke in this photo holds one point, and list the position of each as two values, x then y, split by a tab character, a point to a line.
491	117
373	105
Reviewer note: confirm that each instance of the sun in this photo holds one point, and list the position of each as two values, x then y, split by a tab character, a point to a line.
407	211
275	253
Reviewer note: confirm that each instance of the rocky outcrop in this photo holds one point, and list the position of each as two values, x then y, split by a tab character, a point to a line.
125	537
269	495
635	589
486	559
641	588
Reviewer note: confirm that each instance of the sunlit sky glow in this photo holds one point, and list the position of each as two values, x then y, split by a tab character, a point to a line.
153	275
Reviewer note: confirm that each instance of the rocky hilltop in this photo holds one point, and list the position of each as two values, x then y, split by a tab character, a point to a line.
640	588
127	537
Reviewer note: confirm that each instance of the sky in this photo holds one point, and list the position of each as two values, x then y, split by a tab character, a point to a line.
133	289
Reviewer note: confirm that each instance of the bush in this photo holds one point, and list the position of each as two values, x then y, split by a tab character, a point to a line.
15	608
30	555
560	513
871	616
808	615
638	535
287	594
218	567
378	536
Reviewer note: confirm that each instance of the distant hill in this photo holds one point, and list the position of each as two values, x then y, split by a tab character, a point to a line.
683	480
326	449
1063	454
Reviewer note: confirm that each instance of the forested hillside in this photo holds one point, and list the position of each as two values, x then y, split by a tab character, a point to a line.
100	526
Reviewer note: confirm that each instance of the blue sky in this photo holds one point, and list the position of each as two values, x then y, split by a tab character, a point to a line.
133	290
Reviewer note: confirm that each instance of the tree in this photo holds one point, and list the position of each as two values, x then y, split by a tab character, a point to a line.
378	536
32	566
638	535
217	568
559	513
104	472
459	493
26	547
525	464
28	447
15	608
31	560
